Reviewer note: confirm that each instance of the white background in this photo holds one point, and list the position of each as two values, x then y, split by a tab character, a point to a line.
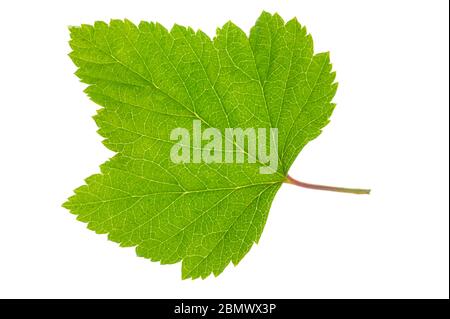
389	132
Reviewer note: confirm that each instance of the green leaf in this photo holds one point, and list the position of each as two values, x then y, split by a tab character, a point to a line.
148	81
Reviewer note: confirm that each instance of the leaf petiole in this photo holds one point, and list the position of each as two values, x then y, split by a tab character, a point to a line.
359	191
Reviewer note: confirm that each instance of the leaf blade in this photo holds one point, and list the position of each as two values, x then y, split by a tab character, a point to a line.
149	80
